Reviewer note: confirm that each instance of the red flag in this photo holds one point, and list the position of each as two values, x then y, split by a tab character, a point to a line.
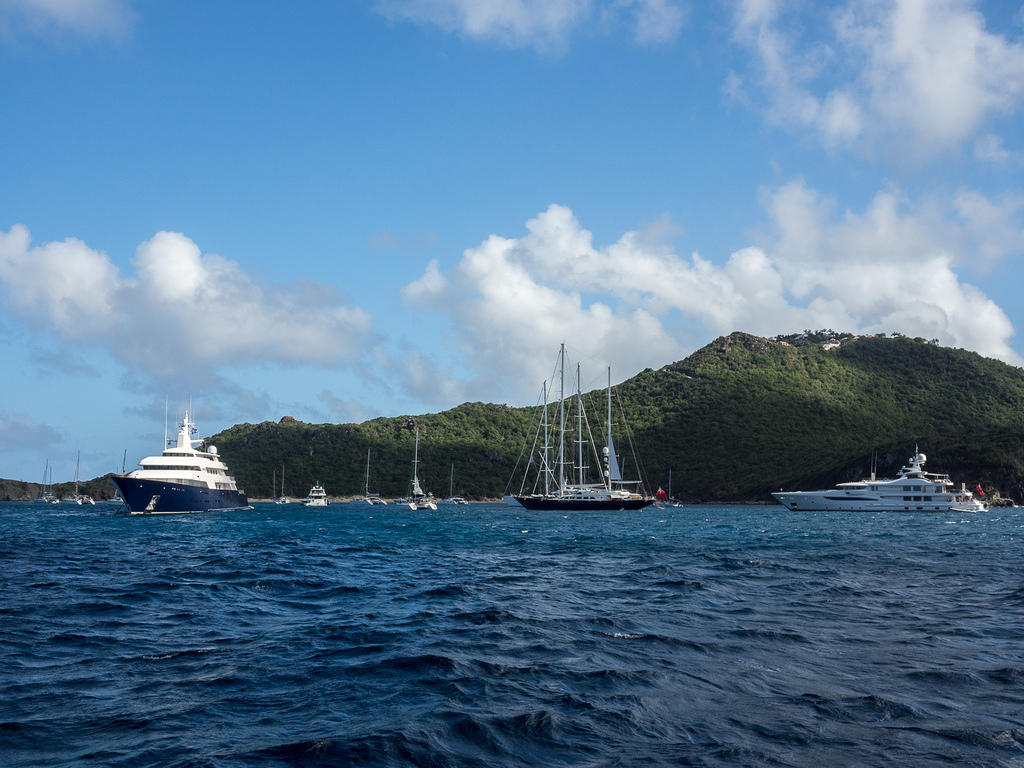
661	494
978	489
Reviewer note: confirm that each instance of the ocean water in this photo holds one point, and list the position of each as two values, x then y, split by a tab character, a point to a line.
484	635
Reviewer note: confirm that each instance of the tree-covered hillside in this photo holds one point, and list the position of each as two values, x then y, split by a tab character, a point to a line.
737	419
734	421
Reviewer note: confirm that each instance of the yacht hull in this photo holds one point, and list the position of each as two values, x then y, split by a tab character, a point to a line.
572	505
830	501
160	497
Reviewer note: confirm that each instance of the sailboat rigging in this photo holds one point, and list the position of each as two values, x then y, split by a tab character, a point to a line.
452	498
282	499
370	498
575	493
419	499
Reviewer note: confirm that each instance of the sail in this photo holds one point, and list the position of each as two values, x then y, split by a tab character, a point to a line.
416	490
614	473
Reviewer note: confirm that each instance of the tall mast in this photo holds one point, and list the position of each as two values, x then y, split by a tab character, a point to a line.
77	462
561	425
579	423
367	490
547	468
451	481
608	466
415	460
611	461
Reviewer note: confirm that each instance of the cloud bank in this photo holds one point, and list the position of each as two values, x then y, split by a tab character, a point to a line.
89	18
181	313
920	75
19	434
892	267
541	24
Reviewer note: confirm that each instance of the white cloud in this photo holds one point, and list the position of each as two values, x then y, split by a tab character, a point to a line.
344	409
540	24
68	283
993	227
921	75
90	18
19	434
182	312
430	284
890	268
991	149
657	21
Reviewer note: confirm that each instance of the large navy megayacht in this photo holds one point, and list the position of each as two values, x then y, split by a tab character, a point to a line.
182	479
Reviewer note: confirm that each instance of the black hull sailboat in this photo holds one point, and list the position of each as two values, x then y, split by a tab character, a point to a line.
570	504
561	495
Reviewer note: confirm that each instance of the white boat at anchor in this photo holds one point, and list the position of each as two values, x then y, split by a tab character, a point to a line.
419	499
282	499
370	498
452	498
317	497
914	490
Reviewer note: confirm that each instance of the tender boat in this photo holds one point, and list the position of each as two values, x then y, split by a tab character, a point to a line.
317	497
914	490
181	479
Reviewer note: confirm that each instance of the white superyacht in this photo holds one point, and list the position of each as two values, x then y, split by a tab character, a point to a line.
913	491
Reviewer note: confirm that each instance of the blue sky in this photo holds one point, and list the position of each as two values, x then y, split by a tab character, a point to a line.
336	211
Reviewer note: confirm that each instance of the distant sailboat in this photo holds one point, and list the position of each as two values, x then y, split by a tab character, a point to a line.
282	499
370	498
80	498
452	498
47	496
419	499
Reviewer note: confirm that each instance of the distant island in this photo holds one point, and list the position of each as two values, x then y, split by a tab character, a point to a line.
737	419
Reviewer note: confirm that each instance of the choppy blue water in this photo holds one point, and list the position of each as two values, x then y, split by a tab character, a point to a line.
489	636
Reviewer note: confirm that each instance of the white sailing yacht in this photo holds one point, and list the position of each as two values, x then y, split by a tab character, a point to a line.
47	496
452	498
282	499
419	499
370	498
81	498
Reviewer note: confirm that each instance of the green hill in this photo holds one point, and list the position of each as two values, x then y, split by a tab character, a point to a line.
737	419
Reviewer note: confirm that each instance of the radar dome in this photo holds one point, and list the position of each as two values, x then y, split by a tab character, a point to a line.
213	449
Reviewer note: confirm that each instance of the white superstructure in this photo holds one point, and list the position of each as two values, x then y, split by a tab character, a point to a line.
181	479
317	497
913	491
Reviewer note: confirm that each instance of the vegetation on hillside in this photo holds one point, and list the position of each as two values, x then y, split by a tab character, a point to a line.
736	420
